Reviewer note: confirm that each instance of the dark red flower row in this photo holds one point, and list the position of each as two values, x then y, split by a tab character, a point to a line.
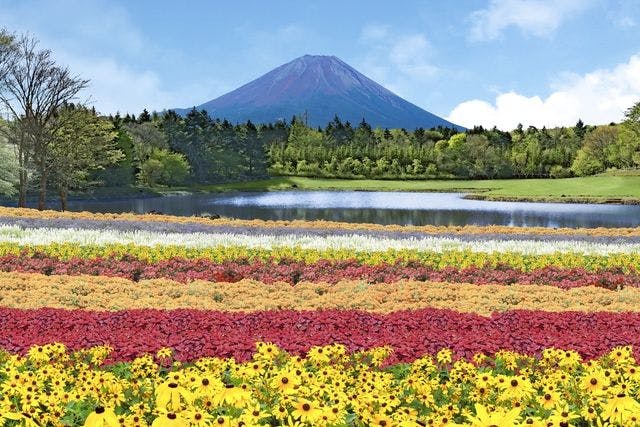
186	270
411	334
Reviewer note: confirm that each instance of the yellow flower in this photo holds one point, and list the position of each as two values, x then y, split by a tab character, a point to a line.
102	417
620	408
516	388
221	421
171	395
198	418
382	420
233	395
594	382
170	420
549	399
164	353
444	356
306	410
286	382
497	418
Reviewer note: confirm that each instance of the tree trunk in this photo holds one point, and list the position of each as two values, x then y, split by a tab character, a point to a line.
63	199
22	201
23	177
42	196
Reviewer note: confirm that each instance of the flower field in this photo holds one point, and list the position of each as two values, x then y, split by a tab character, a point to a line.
126	320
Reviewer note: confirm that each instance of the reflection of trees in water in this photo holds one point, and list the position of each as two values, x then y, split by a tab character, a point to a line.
187	206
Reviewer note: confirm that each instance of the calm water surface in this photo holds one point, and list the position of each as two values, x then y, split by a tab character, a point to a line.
377	207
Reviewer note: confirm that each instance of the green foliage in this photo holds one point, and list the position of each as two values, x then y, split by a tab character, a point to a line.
586	164
164	167
8	170
81	143
122	173
558	171
596	153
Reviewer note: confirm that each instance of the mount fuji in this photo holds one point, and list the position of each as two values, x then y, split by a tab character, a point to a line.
317	88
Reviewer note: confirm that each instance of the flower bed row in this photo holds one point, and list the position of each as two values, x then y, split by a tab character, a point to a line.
28	291
625	262
410	334
328	387
326	271
353	242
324	225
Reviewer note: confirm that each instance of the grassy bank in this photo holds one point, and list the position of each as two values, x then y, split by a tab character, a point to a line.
605	188
598	189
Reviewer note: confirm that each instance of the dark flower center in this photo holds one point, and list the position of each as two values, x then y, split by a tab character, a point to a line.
99	410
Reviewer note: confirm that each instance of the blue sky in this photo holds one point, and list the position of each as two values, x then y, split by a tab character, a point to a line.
487	62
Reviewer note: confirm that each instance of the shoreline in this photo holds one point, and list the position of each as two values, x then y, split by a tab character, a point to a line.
610	189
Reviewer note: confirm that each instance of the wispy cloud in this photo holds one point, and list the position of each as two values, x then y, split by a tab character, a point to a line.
539	18
400	61
624	14
598	97
99	41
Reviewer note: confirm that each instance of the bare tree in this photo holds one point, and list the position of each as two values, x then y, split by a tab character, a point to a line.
32	90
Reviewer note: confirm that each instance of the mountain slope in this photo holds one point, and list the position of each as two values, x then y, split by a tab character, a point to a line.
321	87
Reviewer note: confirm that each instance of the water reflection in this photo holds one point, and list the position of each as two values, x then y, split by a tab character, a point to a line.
378	207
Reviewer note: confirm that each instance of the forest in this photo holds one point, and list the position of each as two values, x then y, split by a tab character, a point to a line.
214	150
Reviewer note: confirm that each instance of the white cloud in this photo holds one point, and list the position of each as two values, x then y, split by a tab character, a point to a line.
536	17
374	32
115	87
624	13
410	54
99	41
598	97
400	62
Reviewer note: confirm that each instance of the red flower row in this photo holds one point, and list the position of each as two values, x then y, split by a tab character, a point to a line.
411	334
186	270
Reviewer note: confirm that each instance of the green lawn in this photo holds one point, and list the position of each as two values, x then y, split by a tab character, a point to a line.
602	188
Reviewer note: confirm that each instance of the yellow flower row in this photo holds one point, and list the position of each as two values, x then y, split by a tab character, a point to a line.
20	290
327	387
436	260
325	225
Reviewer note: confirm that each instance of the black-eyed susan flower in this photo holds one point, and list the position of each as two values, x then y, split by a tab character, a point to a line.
620	408
498	418
102	417
286	382
382	420
170	419
306	410
170	395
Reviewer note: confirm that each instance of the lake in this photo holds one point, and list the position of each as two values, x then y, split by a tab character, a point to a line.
377	207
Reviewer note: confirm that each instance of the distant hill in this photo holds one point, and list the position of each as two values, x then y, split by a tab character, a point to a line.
321	87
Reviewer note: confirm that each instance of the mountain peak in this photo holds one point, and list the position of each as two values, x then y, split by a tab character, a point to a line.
319	86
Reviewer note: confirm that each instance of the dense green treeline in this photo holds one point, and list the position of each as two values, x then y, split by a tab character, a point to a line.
169	149
211	150
341	151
